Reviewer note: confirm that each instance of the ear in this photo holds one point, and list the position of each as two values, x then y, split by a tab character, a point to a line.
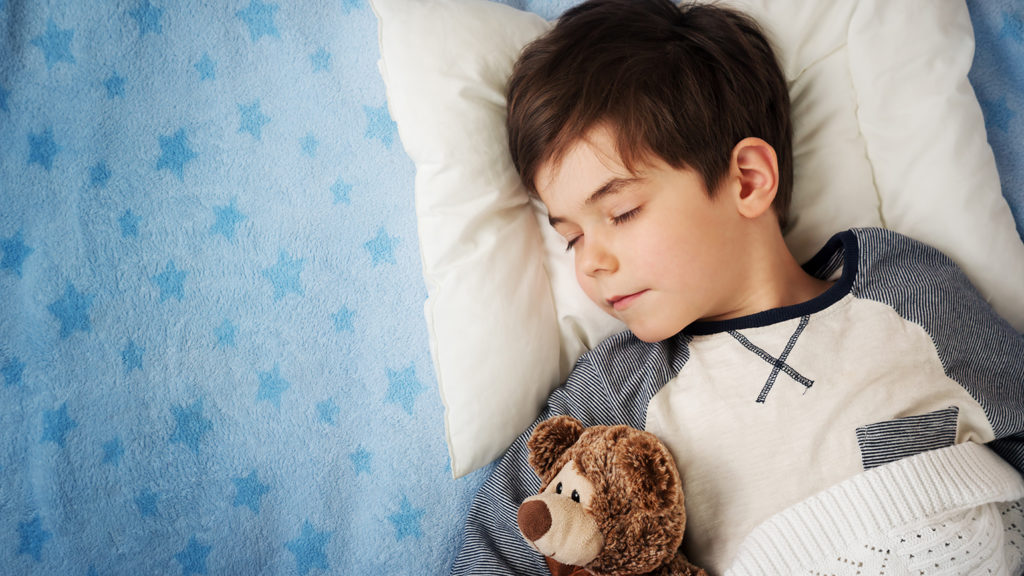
651	472
550	439
754	172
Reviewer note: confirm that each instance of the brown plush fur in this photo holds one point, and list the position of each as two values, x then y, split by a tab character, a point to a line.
638	497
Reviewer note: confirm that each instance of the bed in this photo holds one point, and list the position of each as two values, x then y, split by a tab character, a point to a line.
213	351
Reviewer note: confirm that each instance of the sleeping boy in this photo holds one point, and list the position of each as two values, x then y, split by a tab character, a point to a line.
658	138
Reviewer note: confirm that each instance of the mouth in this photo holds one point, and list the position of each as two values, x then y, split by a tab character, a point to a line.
620	303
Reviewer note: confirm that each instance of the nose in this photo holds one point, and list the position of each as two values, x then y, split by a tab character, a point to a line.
595	257
534	519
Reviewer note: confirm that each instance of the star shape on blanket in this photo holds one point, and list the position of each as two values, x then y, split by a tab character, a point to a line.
361	461
403	387
226	219
12	371
1013	28
171	282
146	503
382	247
193	557
99	175
379	124
259	17
309	145
206	67
175	153
328	411
349	5
253	119
407	520
997	114
115	86
308	549
272	385
14	252
248	491
129	223
343	320
131	356
148	18
321	60
72	311
190	426
55	44
42	148
341	191
225	333
32	536
4	95
113	450
285	276
56	425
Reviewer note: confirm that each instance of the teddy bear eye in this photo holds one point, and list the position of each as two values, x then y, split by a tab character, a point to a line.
558	488
575	496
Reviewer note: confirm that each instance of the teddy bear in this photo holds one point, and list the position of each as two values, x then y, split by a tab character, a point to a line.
610	502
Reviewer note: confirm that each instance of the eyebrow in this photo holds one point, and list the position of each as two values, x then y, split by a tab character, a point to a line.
613	186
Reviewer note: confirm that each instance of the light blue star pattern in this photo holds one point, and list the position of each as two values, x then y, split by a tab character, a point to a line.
308	549
113	450
341	191
193	557
403	388
227	217
343	320
1013	28
260	19
321	60
997	115
56	425
4	95
349	5
207	68
382	247
190	425
131	356
407	520
129	223
99	175
15	251
55	44
226	333
171	282
248	491
72	310
379	124
361	461
253	119
310	145
32	536
148	18
175	153
285	276
328	411
146	503
272	385
114	86
12	371
42	148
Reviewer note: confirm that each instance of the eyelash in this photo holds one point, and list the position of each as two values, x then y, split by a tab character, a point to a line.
617	220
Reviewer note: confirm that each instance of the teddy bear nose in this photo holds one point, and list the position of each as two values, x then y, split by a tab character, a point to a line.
534	519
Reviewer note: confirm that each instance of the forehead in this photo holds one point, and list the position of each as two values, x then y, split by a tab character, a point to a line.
587	162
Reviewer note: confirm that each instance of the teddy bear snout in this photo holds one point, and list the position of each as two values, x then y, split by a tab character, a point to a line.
534	519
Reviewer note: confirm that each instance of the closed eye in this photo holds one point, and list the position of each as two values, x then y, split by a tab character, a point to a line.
571	243
626	216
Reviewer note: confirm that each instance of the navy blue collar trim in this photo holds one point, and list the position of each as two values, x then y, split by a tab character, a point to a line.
843	244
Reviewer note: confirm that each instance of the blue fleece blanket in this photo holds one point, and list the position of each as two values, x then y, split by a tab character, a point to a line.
213	358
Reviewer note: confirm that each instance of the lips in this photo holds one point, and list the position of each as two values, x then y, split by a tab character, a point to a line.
620	303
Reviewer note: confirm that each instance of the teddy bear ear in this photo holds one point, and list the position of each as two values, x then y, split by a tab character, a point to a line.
550	439
651	470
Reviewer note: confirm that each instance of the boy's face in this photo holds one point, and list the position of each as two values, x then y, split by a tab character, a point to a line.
651	248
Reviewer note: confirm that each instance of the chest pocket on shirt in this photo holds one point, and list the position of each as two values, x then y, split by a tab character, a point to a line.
885	442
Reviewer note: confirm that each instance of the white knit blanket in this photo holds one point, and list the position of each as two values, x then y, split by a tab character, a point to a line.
958	510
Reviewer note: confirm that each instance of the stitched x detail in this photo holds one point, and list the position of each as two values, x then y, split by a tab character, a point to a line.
778	364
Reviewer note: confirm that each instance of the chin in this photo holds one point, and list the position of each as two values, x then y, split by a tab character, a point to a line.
650	334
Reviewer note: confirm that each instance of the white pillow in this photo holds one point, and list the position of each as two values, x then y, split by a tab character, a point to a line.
887	132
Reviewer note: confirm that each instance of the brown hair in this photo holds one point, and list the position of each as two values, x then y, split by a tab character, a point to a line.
684	83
